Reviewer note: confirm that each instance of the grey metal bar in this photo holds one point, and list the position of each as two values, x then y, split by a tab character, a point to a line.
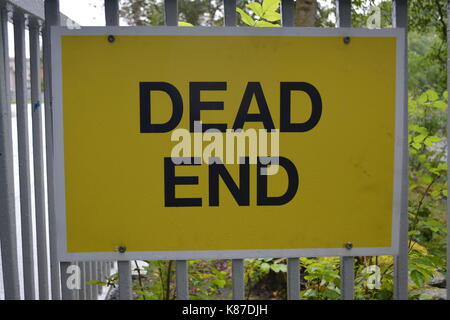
112	12
287	13
66	293
99	275
237	275
24	155
293	279
88	270
344	20
94	277
347	278
124	280
34	9
230	16
448	153
52	18
82	292
8	240
182	283
344	13
400	20
38	150
171	12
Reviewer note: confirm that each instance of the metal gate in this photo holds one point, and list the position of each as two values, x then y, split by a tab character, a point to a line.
36	174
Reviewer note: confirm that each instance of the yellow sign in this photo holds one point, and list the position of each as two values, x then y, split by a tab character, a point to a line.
128	103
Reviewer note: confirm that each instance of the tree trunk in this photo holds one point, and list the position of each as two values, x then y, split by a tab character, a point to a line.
305	13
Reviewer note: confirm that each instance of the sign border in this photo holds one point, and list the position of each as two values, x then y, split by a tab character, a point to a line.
58	141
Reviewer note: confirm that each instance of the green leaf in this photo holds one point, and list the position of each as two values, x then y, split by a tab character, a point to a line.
270	5
272	16
275	267
440	105
256	8
416	146
265	266
265	24
445	94
417	277
96	282
423	98
184	24
245	17
432	95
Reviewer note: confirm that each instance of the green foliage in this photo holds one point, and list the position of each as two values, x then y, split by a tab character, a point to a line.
265	14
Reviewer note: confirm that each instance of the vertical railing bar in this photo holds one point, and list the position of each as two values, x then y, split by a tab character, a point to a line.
344	20
112	12
448	152
237	275
171	12
293	279
52	18
88	271
66	293
99	276
293	272
124	280
230	16
344	13
400	20
112	19
347	278
82	292
8	240
24	155
94	277
287	13
38	150
181	278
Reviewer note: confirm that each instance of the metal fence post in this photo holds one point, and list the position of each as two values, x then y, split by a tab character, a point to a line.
52	18
347	278
293	279
125	285
24	155
8	239
182	281
38	150
171	12
293	272
230	15
112	12
344	20
287	13
344	13
237	275
82	292
66	293
400	20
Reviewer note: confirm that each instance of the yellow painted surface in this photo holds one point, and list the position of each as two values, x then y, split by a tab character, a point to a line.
114	174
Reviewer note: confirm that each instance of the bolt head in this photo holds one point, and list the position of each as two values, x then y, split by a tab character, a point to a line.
348	245
122	249
111	38
346	40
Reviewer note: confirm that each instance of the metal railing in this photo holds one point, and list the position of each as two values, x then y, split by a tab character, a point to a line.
39	16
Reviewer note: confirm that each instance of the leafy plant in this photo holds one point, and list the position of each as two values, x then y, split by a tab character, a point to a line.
264	15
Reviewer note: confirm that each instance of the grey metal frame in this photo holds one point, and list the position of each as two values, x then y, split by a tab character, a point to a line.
58	32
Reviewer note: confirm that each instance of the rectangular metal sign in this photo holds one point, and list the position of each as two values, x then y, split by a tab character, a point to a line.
183	143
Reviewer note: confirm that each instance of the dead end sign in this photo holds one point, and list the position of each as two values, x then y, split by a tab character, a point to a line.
183	143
